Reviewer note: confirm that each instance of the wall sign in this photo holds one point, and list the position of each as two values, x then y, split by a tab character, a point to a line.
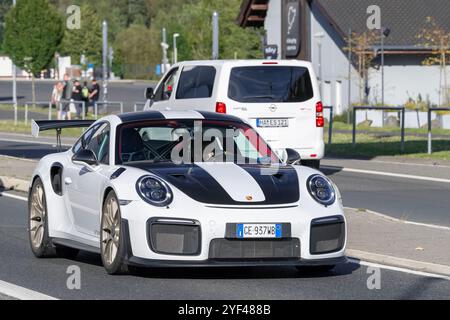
271	52
292	27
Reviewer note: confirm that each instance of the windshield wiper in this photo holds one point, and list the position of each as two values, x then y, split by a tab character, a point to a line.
258	97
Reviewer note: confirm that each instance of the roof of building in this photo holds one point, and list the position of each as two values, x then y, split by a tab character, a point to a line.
405	18
253	13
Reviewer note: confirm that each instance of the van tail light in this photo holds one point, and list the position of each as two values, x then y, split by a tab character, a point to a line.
320	121
221	107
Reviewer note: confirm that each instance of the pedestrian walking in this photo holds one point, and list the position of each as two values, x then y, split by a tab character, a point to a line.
77	98
55	100
64	105
85	93
94	93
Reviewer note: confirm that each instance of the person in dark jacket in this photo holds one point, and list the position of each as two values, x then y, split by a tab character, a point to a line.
77	98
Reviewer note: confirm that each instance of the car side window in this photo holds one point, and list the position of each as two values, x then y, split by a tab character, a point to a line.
196	82
86	137
99	143
165	89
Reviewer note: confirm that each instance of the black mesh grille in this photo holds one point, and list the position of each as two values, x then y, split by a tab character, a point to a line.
254	249
327	237
175	239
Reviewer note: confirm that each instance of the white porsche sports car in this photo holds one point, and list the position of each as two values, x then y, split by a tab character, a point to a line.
186	188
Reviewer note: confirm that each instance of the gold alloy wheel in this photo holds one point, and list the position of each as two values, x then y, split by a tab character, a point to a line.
110	230
37	216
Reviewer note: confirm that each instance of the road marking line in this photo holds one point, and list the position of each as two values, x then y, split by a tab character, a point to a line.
17	158
21	293
404	270
437	165
34	142
384	216
13	196
388	174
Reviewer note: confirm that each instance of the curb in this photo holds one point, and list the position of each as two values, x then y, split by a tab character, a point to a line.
399	262
15	184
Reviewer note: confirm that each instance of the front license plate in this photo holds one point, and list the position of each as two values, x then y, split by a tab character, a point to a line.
246	231
272	123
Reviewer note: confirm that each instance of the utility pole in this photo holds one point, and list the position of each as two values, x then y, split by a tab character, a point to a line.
349	74
384	34
164	47
105	61
175	49
14	88
215	34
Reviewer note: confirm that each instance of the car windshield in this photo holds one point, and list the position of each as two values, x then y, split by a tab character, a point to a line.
185	141
270	84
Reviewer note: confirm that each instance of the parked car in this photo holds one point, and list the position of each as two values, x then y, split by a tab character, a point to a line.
279	98
140	189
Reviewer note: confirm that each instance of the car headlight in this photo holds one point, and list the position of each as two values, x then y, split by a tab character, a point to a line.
321	189
154	191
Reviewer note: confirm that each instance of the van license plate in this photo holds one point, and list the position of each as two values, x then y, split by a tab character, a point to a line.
245	231
272	123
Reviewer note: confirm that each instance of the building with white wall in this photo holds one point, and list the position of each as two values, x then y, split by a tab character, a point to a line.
323	28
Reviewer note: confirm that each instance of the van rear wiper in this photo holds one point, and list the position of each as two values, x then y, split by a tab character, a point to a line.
258	97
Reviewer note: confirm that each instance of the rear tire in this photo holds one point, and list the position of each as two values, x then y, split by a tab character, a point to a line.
40	242
112	242
315	164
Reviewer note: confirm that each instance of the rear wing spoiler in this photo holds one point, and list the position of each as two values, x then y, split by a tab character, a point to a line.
58	125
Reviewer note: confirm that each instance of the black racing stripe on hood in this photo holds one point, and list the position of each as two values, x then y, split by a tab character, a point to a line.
199	185
279	187
192	180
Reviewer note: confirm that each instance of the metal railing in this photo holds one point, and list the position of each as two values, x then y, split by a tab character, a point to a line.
69	102
138	104
430	127
105	108
402	123
38	103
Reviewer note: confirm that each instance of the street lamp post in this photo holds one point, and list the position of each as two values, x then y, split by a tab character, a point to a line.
14	88
175	49
384	34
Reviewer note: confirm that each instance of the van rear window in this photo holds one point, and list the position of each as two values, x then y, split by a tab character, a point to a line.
270	84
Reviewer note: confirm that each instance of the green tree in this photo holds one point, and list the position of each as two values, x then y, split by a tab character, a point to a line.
33	32
137	49
85	41
193	22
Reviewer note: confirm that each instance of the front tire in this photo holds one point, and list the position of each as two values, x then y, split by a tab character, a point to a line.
40	242
112	242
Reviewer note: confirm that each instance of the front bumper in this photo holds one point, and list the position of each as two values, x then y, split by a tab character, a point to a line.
133	260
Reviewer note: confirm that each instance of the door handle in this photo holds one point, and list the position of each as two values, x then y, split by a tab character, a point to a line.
168	108
67	181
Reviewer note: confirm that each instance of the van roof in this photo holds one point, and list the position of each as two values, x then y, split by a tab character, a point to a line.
245	63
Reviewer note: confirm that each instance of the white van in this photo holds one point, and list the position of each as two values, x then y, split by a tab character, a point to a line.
279	98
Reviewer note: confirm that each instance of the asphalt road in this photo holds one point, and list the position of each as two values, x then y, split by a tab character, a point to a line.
128	92
49	276
412	200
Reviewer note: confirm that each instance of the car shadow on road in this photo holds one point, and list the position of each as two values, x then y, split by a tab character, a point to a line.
218	273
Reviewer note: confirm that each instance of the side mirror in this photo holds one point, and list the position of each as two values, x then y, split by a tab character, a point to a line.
85	157
293	157
149	93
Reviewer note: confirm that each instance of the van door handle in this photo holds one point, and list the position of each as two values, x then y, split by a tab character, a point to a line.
68	181
168	108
